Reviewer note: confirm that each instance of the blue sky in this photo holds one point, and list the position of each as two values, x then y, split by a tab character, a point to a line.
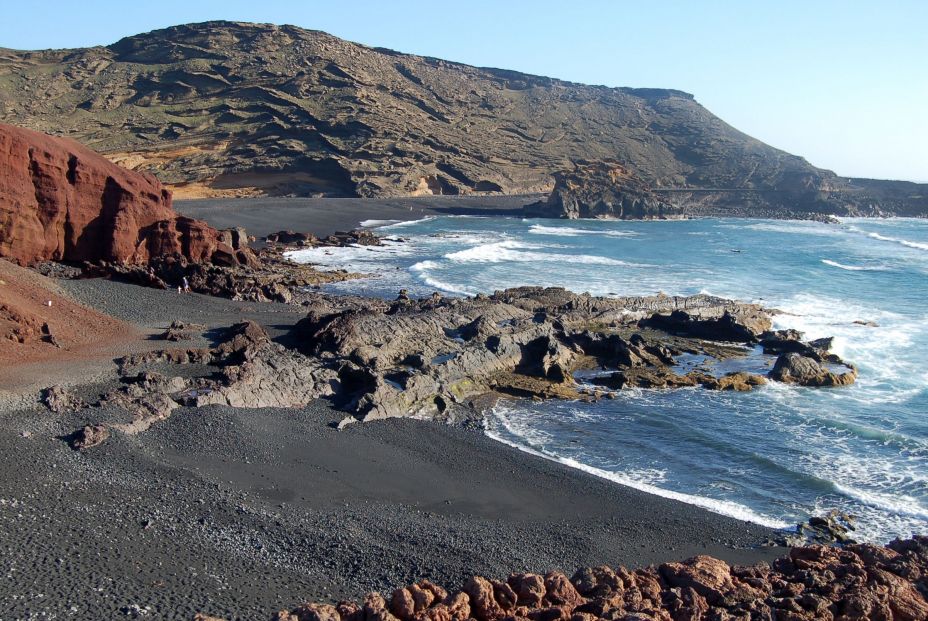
844	84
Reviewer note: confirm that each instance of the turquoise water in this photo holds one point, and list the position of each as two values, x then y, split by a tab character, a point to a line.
773	456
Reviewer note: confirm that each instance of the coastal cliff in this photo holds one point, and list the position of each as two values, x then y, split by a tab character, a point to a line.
239	109
60	201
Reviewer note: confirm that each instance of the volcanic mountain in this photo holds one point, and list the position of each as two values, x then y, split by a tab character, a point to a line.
238	109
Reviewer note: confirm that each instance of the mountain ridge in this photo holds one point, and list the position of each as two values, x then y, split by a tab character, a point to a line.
239	109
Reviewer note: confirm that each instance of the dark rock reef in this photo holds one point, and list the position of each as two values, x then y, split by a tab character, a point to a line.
236	109
813	583
450	358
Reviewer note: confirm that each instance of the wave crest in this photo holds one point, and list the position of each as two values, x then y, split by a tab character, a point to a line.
512	251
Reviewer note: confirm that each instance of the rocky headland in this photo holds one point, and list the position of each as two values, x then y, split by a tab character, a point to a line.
602	190
236	109
61	202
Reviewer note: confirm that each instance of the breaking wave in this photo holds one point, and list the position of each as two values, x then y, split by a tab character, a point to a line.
513	251
897	240
855	268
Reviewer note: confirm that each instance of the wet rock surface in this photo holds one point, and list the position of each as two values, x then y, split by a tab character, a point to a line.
450	358
795	368
810	583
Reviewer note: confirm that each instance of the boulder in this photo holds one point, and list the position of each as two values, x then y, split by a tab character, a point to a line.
60	201
794	368
88	437
290	238
739	381
58	400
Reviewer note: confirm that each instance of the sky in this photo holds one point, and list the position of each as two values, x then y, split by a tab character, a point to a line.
843	84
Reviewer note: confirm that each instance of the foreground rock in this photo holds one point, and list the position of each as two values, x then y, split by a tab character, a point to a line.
810	583
602	190
60	201
89	436
794	368
247	370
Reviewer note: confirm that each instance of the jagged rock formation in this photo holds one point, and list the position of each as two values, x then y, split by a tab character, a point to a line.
224	108
602	190
60	201
811	583
448	359
432	358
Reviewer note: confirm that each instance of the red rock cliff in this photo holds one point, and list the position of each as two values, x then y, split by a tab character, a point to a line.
61	201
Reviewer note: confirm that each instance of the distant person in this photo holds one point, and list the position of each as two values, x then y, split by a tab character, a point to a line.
186	285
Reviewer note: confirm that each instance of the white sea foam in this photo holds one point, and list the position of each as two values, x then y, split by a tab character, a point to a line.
883	353
408	222
855	268
513	251
567	231
424	269
723	507
352	258
897	240
372	224
792	228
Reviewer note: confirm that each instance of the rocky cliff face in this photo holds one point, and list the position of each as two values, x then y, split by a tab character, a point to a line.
225	108
60	201
602	190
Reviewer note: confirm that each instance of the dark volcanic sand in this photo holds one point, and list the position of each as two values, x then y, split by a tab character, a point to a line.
242	512
324	216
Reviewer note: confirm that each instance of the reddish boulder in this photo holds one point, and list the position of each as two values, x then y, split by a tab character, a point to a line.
310	612
560	592
710	578
60	201
529	589
89	436
483	602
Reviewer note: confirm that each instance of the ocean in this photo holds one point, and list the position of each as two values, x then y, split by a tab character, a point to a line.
774	456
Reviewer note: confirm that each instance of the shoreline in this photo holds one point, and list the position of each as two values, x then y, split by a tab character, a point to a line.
240	512
189	512
325	216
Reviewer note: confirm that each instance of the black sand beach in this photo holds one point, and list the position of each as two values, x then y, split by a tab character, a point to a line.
240	512
324	216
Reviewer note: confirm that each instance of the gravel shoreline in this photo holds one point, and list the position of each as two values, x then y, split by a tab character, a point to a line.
242	512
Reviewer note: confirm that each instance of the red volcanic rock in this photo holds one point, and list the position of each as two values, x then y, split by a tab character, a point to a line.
483	603
529	589
811	584
61	201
